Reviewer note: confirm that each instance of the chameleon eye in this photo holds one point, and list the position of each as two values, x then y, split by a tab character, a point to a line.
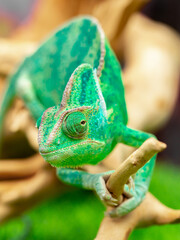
75	125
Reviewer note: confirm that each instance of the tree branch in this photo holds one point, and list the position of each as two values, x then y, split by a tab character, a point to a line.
132	164
149	212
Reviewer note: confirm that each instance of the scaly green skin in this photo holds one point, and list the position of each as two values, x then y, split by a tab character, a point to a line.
73	84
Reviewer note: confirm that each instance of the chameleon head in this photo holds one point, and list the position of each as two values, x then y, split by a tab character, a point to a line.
75	132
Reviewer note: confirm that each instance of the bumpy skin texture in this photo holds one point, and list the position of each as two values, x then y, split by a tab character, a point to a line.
72	84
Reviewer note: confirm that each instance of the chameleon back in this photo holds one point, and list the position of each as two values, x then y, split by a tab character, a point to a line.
50	67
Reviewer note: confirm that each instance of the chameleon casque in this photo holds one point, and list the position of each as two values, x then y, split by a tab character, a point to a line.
72	86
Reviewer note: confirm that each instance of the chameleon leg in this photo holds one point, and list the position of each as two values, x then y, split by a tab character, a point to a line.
142	178
88	181
26	91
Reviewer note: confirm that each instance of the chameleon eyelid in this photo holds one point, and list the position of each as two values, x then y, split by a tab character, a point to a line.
62	116
73	110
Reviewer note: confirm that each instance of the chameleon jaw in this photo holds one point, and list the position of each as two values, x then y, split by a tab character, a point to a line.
75	155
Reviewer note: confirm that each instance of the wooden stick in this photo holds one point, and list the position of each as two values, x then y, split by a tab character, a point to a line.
149	212
132	164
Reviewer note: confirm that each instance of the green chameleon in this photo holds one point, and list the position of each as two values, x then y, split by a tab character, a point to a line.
72	86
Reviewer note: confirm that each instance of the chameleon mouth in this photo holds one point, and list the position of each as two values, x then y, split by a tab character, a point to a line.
74	155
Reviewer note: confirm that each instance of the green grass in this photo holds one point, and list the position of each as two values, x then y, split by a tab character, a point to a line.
77	214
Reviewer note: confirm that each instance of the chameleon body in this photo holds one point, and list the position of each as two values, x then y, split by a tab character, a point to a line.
72	86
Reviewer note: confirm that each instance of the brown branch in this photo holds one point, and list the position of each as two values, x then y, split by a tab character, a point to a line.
149	212
59	12
20	168
132	164
25	38
20	195
151	40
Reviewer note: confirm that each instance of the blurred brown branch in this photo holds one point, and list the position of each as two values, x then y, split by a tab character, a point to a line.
113	15
20	168
25	38
151	73
18	195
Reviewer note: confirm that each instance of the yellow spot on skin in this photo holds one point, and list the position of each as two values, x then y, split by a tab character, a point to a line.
109	111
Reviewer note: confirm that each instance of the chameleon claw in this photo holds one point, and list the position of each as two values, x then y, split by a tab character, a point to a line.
109	200
126	206
104	194
112	204
130	183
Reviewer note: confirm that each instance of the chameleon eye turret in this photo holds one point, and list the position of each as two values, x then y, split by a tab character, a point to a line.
75	125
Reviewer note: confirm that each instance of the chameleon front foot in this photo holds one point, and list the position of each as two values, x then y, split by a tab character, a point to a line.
102	191
130	183
136	196
126	207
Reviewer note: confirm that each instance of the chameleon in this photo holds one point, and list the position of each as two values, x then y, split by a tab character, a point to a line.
73	88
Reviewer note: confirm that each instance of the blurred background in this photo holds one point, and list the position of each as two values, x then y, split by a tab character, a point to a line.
145	38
